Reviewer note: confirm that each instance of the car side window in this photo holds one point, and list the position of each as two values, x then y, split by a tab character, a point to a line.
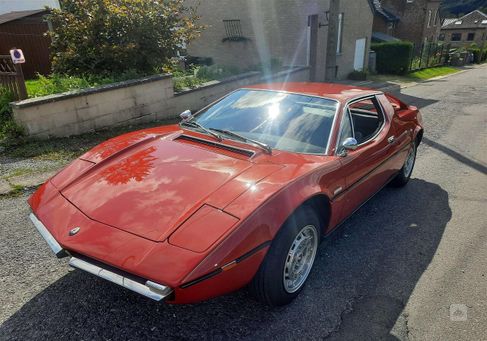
367	118
346	129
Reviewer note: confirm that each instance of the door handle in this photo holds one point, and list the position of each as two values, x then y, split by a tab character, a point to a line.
391	139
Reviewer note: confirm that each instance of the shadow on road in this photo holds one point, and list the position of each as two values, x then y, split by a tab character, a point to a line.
456	155
362	280
418	102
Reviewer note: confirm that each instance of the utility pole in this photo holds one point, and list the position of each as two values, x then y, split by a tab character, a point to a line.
332	41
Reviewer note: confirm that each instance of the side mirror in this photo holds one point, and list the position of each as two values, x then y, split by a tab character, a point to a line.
186	115
349	144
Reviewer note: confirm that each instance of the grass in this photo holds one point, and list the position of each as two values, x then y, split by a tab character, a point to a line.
415	76
18	172
16	191
55	83
432	72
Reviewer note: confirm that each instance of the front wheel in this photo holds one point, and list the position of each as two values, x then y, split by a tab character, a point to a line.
288	263
402	178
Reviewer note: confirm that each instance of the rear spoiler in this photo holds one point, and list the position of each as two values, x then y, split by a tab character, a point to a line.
396	103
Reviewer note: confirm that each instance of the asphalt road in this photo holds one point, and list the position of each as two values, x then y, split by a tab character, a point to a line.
393	272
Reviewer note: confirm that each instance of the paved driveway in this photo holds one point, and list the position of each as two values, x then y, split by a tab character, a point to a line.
394	271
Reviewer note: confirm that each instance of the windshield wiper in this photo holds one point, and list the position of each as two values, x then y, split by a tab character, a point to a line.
262	145
202	127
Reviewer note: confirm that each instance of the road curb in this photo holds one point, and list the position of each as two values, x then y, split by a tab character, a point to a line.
400	86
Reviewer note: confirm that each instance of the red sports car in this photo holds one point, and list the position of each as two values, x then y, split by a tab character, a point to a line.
241	193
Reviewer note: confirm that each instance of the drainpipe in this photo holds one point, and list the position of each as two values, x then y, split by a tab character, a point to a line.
332	41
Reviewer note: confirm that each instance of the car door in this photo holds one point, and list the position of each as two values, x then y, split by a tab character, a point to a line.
369	167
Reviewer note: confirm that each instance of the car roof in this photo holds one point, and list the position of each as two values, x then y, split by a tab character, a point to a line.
339	92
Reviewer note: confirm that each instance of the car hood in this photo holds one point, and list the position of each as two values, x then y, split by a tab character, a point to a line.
151	188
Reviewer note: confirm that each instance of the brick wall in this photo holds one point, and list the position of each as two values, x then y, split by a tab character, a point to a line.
278	29
274	29
414	24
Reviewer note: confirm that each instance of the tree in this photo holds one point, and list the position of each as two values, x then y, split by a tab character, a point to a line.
106	37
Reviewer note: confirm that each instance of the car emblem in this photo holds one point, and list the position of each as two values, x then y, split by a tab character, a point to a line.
74	231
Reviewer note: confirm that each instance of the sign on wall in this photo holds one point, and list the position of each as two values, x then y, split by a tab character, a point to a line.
17	56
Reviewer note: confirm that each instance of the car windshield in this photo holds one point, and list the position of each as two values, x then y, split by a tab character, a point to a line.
284	121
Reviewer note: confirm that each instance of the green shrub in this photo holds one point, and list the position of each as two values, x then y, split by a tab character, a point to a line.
393	57
8	128
56	83
357	75
217	72
112	36
477	53
187	82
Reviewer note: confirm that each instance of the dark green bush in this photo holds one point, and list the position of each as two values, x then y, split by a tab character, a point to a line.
217	72
8	128
112	36
477	53
393	57
357	75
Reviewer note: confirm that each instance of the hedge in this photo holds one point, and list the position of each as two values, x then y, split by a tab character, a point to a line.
477	54
393	57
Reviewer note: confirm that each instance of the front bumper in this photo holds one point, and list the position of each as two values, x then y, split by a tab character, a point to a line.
51	241
139	285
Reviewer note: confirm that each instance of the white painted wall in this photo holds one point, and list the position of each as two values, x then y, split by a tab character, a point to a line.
25	5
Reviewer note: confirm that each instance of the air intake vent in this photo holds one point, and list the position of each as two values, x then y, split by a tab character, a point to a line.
246	152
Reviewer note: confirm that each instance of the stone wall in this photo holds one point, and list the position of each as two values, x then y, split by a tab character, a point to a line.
143	100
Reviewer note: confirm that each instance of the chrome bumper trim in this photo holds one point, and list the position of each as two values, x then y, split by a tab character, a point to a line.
152	290
53	244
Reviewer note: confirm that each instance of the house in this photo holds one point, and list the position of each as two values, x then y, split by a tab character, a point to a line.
417	21
332	37
465	31
25	30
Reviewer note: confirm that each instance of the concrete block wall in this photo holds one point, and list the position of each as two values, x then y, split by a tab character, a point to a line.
143	100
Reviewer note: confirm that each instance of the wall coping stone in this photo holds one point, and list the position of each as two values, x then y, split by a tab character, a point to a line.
87	91
213	83
243	76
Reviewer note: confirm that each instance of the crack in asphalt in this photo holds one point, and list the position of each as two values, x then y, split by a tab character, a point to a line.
345	311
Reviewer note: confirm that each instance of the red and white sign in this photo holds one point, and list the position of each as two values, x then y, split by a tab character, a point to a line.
17	56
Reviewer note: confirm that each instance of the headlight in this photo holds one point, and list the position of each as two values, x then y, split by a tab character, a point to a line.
203	229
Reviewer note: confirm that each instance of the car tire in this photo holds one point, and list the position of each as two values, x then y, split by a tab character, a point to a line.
402	178
294	248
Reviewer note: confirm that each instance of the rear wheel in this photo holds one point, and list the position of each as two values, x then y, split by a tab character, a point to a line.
288	263
402	178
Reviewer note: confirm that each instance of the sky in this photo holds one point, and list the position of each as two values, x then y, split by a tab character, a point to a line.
23	5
